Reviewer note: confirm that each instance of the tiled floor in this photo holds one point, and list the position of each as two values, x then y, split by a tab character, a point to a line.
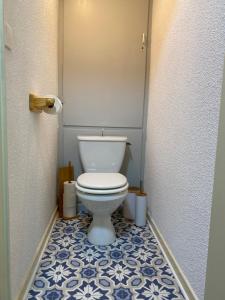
131	268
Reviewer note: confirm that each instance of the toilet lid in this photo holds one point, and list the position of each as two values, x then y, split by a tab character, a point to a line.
102	181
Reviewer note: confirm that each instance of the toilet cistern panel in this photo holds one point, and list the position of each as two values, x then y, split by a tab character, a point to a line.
102	154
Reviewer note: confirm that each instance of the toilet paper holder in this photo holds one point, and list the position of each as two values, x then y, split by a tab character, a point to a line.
38	103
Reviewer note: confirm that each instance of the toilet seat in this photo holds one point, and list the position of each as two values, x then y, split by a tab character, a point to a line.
101	192
101	183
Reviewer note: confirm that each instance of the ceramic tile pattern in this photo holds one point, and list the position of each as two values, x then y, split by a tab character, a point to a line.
131	268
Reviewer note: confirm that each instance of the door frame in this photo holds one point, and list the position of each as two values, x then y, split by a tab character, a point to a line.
4	233
214	285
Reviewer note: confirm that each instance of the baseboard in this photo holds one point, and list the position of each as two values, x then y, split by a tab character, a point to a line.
175	268
37	257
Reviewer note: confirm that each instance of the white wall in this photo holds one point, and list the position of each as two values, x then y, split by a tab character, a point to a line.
31	66
185	87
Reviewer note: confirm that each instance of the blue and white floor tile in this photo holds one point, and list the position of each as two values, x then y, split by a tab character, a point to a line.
131	268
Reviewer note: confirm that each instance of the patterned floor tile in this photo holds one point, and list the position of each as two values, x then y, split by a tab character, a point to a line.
132	268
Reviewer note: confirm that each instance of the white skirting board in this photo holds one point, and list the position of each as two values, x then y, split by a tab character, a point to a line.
37	257
174	266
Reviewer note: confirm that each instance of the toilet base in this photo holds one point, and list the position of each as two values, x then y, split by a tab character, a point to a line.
101	231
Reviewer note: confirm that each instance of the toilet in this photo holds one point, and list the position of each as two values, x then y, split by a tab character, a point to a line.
102	189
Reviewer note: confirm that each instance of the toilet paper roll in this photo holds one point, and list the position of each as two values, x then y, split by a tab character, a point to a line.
129	206
69	187
69	212
69	199
141	208
57	108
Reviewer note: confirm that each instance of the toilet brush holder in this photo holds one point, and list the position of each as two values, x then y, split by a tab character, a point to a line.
129	204
140	209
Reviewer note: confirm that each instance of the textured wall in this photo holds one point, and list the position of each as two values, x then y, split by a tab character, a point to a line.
31	66
185	87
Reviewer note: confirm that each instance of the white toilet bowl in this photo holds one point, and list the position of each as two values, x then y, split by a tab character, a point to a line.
102	194
102	189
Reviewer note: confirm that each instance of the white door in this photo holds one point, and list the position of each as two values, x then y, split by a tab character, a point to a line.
104	62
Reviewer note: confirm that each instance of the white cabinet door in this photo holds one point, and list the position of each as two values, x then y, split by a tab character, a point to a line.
104	62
